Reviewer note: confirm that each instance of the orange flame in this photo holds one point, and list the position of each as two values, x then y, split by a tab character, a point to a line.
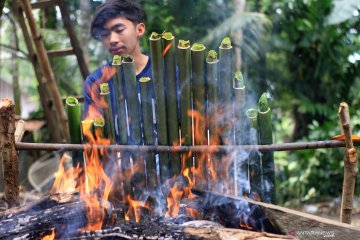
50	236
90	180
173	201
134	208
94	89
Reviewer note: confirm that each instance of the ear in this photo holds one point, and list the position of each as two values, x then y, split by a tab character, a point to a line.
140	29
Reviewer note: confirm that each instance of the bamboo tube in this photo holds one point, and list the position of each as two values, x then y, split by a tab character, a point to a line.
134	123
185	90
184	74
109	129
226	89
158	80
99	124
74	116
99	129
171	99
10	161
87	131
120	116
350	165
241	130
267	159
254	172
74	119
198	92
148	125
212	80
132	100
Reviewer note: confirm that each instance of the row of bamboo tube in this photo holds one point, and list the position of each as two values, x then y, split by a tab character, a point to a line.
198	100
9	137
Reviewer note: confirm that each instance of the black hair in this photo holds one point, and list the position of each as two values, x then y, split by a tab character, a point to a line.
113	9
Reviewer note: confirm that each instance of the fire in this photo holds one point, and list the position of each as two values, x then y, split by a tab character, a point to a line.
65	180
134	208
50	236
93	91
89	179
173	201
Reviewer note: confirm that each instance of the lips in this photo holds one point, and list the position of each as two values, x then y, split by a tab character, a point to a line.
118	51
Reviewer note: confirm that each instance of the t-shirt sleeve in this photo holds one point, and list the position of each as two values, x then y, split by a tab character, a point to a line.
91	91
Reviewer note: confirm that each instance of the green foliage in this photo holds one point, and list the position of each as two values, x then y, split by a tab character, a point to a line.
313	53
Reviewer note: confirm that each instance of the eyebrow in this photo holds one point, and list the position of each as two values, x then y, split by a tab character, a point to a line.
116	26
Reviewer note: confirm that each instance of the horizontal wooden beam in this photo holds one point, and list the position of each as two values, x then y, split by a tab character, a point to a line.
60	53
199	148
44	4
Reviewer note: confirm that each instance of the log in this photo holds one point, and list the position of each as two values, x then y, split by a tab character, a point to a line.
161	229
10	161
63	212
302	225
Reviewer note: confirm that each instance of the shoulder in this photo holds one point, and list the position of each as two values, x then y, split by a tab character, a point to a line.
97	74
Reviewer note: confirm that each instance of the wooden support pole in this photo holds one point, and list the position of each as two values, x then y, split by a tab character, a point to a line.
350	165
8	152
47	70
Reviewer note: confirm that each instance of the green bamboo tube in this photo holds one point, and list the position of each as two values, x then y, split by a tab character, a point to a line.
160	107
199	105
185	90
99	124
132	100
148	125
109	129
267	159
120	116
226	88
88	137
240	132
184	75
133	105
87	127
254	157
74	119
198	85
212	78
171	100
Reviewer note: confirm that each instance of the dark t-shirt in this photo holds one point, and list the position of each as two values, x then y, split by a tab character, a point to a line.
91	92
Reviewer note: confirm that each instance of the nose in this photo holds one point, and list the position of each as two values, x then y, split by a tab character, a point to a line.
113	39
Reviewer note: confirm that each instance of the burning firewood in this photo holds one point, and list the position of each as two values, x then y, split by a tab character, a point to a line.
63	212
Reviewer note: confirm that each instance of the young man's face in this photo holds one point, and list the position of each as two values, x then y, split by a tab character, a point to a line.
121	36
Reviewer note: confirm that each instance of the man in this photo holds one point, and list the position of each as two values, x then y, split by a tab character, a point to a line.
118	24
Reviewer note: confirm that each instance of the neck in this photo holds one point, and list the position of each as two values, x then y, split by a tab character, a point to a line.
140	60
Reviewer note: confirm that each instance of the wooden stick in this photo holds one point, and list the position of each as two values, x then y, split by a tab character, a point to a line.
49	77
350	165
199	148
20	130
8	151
